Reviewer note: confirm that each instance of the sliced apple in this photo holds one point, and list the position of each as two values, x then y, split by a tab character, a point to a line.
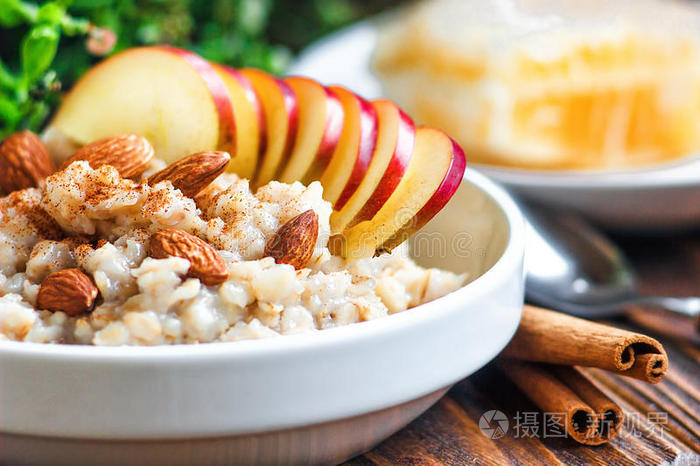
320	127
247	115
343	172
170	96
392	153
433	175
281	116
254	100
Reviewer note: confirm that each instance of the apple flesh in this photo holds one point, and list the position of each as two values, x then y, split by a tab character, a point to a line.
392	153
433	175
170	96
281	117
247	116
254	100
351	158
320	127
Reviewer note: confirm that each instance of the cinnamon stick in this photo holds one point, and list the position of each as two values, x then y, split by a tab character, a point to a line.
609	416
551	337
590	417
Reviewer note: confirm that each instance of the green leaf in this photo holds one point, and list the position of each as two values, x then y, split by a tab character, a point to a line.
15	12
91	4
335	13
51	13
252	16
10	114
10	14
7	79
38	51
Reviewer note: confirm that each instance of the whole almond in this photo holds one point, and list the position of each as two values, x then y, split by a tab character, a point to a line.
295	242
206	263
69	290
193	173
129	154
24	162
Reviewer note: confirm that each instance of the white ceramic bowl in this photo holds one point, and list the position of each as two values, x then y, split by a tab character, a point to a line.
664	197
318	398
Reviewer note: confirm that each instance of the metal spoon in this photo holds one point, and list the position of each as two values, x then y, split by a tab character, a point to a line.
573	268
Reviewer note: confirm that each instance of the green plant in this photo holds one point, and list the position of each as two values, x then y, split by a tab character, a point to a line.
24	93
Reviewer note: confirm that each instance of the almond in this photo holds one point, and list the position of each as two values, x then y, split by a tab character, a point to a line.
69	290
295	242
24	162
193	173
129	154
206	263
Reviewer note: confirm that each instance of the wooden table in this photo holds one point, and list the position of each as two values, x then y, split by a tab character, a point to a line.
663	420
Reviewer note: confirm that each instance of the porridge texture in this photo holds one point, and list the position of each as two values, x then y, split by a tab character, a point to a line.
95	222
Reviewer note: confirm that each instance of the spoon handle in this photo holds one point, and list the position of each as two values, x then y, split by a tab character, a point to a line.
687	306
676	317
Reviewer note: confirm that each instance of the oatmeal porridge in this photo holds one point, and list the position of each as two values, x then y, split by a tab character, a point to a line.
126	246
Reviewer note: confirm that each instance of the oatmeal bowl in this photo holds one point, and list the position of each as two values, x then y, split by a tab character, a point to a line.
310	395
270	298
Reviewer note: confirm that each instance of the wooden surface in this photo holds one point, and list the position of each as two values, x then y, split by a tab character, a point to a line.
662	422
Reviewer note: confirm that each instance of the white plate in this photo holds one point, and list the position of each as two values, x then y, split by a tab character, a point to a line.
320	397
660	198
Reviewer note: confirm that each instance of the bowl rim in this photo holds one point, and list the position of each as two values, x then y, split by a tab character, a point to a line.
683	172
265	347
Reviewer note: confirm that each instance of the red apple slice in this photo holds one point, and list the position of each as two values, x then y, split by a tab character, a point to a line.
320	126
433	175
352	156
280	111
392	153
244	161
254	100
170	96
